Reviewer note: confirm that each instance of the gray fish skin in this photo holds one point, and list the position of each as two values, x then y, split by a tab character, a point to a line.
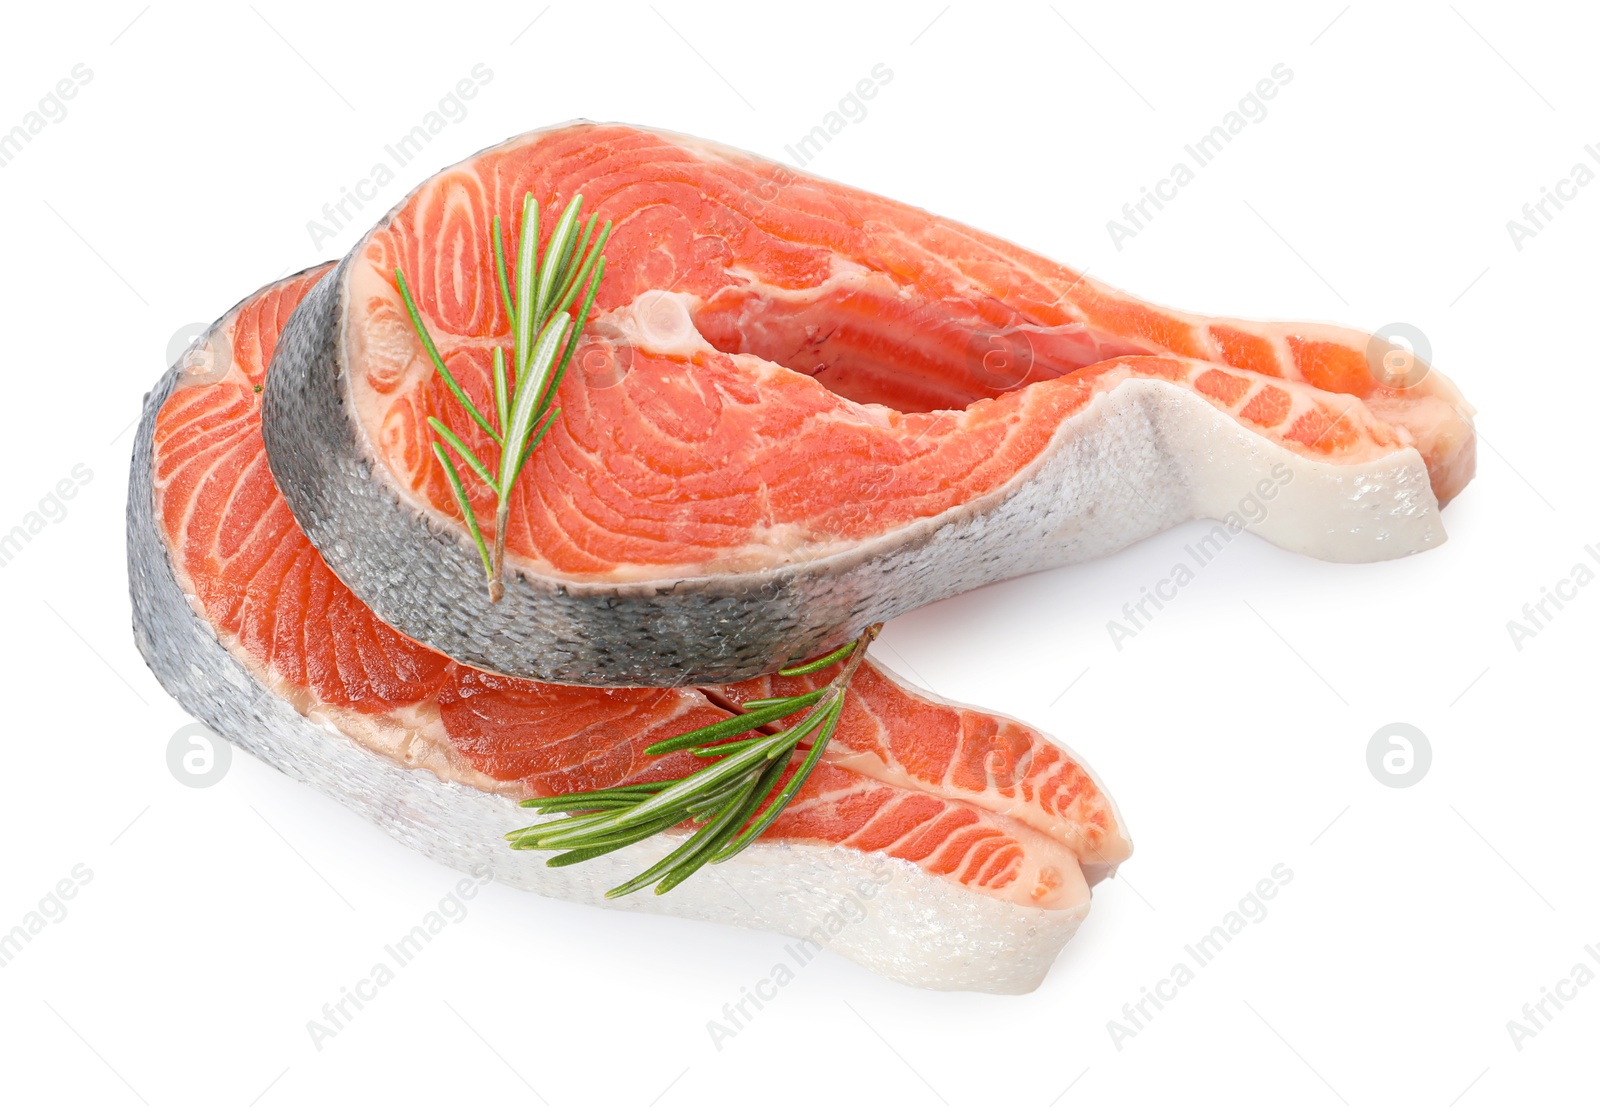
897	919
1138	460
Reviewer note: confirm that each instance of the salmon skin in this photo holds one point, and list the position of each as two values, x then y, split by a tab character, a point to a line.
959	844
799	409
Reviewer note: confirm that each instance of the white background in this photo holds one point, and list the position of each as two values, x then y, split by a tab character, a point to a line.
1233	731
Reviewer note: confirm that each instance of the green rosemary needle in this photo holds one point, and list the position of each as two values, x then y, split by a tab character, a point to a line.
724	798
544	337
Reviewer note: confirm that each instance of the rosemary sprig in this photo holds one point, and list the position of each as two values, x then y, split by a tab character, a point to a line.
725	797
544	338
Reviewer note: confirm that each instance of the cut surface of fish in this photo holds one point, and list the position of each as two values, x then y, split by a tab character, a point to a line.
965	843
798	409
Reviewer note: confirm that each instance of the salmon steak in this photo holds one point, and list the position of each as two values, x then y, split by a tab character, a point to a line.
959	845
798	409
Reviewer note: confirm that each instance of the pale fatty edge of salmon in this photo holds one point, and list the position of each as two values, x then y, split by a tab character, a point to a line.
1102	869
919	930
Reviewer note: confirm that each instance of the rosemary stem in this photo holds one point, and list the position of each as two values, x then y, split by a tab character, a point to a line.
544	337
502	516
731	727
829	722
731	800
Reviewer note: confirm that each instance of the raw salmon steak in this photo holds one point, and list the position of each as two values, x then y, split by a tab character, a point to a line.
960	844
798	409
